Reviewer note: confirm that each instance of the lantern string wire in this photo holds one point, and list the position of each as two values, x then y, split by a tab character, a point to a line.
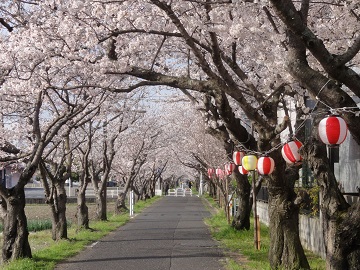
309	116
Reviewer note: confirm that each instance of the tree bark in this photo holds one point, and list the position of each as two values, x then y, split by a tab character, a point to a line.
120	205
58	213
340	221
82	213
101	204
15	232
241	220
56	199
342	247
285	249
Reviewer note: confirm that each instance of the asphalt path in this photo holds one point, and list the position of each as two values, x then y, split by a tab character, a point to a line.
170	234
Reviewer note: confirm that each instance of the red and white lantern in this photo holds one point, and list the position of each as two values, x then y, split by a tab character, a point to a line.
332	130
219	173
242	170
265	165
211	172
237	157
229	168
290	151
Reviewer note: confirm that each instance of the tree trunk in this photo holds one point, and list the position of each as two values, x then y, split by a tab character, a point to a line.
341	223
82	213
120	205
241	220
151	191
101	205
212	189
58	212
15	232
285	247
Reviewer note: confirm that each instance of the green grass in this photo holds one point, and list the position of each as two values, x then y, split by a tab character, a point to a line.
35	225
46	258
39	225
211	200
242	244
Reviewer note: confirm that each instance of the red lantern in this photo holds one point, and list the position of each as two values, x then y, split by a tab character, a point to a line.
332	130
290	151
265	165
242	170
211	172
219	173
229	168
237	157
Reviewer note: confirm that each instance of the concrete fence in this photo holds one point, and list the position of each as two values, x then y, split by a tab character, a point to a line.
111	192
180	192
310	230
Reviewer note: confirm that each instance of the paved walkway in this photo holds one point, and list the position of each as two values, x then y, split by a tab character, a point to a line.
170	234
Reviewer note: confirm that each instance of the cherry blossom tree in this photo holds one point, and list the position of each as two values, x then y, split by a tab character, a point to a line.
57	162
203	57
205	45
36	128
132	163
333	54
219	48
101	169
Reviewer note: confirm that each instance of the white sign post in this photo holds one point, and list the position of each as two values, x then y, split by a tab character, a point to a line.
69	187
131	203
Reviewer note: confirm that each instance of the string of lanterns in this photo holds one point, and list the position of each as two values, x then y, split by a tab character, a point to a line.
332	131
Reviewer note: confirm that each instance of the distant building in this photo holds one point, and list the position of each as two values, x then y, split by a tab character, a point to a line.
10	174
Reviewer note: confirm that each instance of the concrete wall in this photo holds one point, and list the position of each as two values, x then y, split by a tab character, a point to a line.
347	171
310	230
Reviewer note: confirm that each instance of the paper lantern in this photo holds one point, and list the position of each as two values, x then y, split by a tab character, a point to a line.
249	162
242	170
290	151
332	130
211	172
219	173
237	157
265	165
229	168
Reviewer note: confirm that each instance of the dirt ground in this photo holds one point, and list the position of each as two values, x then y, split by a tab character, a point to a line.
42	211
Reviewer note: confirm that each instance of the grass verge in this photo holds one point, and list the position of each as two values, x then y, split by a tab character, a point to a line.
35	225
239	246
54	252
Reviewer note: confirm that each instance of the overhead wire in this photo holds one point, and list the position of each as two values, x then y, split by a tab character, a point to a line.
310	115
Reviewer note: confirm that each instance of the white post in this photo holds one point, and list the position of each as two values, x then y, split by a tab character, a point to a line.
69	187
201	185
234	206
131	203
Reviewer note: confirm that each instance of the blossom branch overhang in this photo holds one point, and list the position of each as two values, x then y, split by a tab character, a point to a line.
6	25
161	79
331	63
234	66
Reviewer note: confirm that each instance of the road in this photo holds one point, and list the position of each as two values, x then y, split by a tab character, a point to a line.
170	234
